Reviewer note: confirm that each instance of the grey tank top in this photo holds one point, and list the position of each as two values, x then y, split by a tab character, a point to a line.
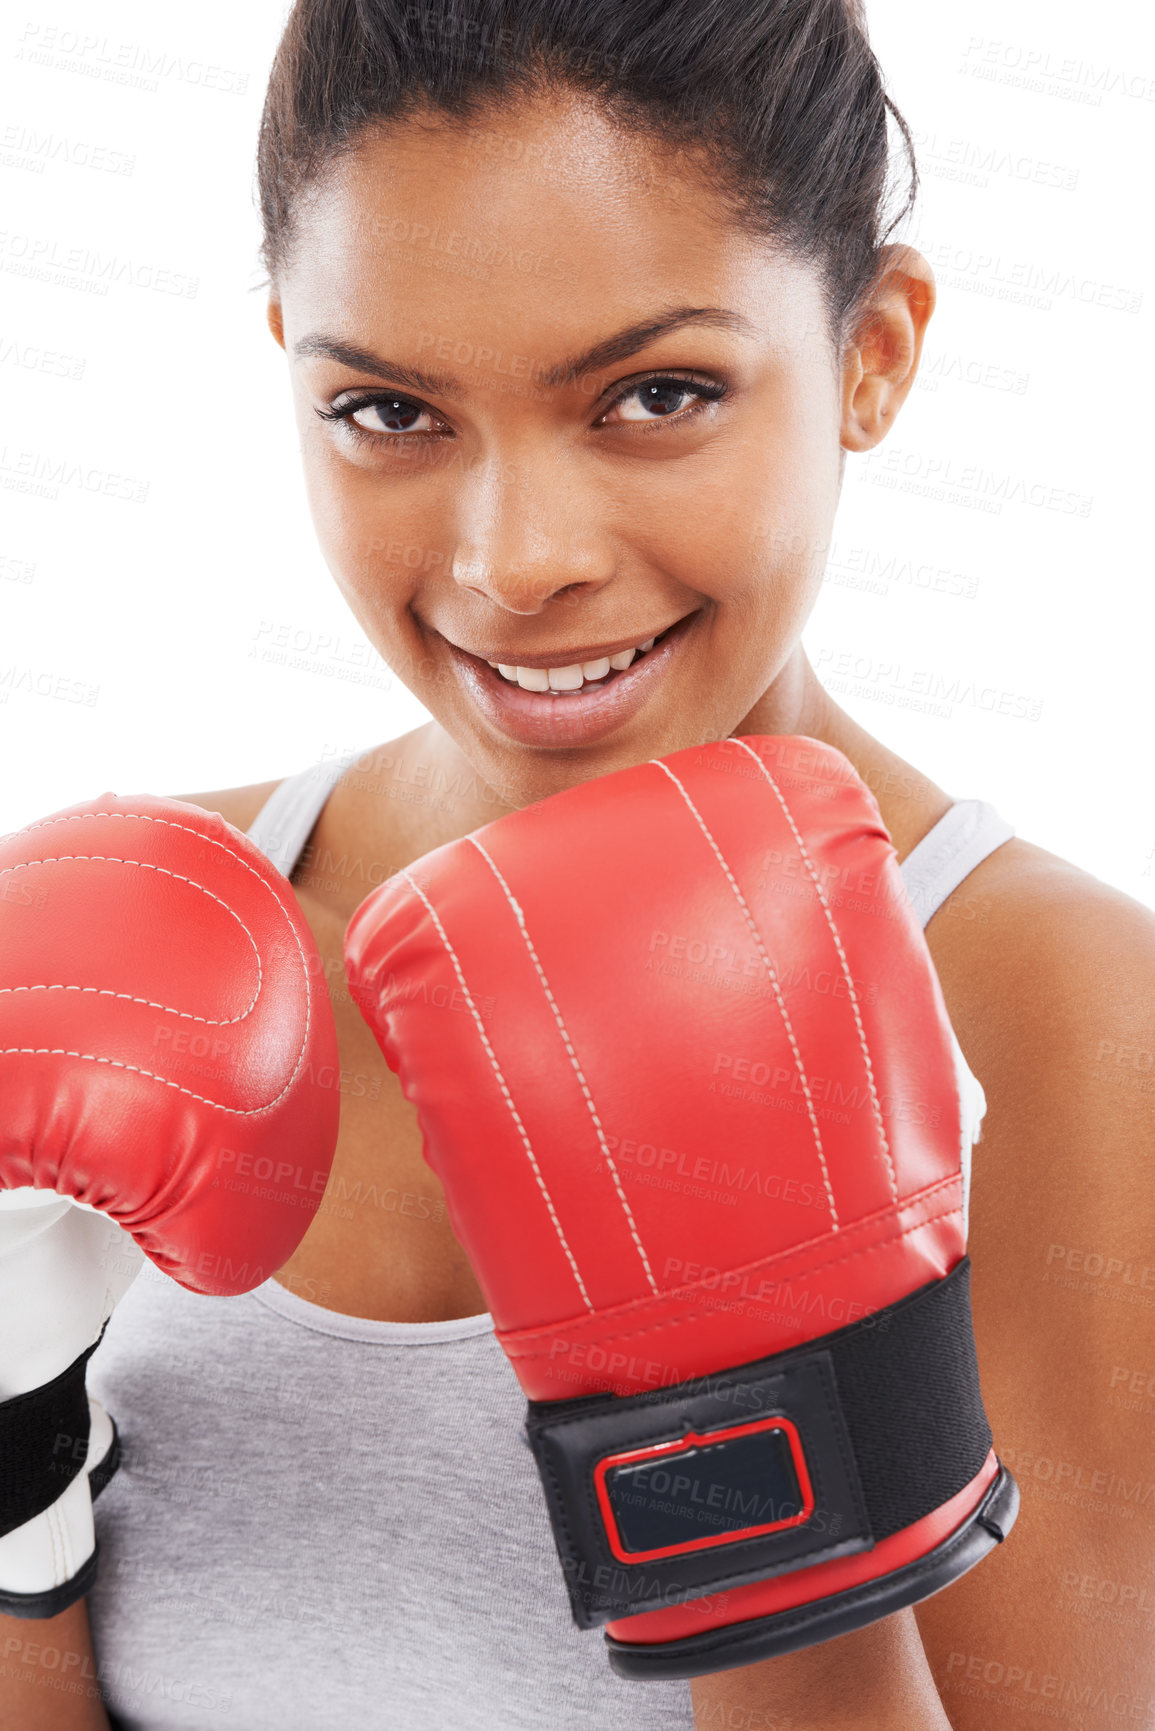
327	1522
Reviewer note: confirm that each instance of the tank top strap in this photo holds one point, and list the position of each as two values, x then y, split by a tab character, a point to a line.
961	839
285	821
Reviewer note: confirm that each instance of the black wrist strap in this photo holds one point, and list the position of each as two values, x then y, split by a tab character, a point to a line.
792	1460
43	1443
52	1600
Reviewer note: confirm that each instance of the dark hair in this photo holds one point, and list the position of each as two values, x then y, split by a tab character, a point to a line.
782	102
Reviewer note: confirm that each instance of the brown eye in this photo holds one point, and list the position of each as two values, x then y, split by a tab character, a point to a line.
389	415
652	401
655	399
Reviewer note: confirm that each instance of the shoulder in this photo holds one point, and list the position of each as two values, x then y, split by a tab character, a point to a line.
1051	988
1049	977
1041	961
237	805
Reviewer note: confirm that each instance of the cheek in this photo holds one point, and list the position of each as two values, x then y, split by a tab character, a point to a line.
752	527
794	495
326	488
379	538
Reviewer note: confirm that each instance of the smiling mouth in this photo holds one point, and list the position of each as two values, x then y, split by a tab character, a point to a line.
576	678
573	710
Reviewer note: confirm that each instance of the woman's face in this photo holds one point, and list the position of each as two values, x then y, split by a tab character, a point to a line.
553	404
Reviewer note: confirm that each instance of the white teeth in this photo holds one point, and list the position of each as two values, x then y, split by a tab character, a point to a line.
573	678
565	678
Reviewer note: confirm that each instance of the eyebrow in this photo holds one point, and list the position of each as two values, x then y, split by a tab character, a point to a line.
606	353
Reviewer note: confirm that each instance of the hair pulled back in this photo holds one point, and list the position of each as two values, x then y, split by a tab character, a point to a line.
781	100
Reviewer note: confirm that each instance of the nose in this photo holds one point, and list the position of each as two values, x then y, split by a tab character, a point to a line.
530	533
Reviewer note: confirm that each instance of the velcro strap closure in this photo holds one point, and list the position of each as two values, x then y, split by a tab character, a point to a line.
777	1465
43	1443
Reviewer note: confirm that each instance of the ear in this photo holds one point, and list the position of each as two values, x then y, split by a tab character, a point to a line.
881	359
275	320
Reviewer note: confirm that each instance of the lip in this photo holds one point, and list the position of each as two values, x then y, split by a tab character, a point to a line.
535	718
559	657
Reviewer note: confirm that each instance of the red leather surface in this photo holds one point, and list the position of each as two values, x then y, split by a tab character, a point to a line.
167	1046
681	1059
735	1315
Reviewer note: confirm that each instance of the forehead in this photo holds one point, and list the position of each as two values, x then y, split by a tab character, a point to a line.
537	217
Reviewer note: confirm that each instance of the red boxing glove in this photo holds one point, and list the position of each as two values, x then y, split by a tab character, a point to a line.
168	1055
682	1061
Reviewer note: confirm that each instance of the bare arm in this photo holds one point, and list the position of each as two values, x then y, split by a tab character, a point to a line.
1061	1620
1050	980
877	1679
48	1678
48	1674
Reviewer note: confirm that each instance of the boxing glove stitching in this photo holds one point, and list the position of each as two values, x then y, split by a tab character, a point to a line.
510	1346
200	835
694	1316
757	936
834	932
117	1064
502	1084
178	877
128	997
880	1217
573	1058
204	834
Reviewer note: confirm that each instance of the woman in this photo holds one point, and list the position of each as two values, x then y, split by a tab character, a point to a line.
584	306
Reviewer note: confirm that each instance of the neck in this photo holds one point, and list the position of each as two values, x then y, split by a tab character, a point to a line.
795	704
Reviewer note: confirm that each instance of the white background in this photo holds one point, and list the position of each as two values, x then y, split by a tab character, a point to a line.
987	612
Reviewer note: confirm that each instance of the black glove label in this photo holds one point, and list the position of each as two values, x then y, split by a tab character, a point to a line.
737	1483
